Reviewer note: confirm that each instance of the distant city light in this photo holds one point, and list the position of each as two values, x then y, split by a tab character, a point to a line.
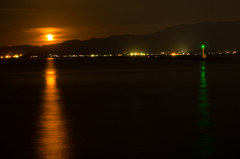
137	54
16	56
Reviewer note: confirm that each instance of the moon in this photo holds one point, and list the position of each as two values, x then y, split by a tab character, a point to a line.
50	37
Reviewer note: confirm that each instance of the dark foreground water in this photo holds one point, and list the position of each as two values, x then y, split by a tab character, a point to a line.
119	108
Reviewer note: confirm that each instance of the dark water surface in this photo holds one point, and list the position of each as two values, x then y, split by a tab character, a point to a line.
119	108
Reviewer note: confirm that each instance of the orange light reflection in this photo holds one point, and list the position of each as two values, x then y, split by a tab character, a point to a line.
53	134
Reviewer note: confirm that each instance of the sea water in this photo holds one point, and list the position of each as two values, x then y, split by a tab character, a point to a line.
119	108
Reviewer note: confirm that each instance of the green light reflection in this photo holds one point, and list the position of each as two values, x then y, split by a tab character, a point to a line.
204	121
204	140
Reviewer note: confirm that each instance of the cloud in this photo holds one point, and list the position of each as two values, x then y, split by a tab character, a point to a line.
39	35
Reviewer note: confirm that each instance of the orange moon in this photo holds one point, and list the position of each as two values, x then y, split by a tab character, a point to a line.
50	37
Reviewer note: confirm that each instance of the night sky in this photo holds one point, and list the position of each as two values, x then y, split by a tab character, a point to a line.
29	21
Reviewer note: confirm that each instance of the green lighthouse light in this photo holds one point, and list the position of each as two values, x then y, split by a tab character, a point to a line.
203	46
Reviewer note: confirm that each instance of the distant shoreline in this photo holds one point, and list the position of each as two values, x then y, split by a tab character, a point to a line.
165	57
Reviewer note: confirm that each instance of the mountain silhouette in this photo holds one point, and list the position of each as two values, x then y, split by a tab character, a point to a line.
216	36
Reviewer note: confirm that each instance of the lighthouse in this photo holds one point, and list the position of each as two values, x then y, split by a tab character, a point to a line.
203	54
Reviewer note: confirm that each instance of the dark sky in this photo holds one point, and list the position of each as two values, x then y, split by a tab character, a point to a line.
29	21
